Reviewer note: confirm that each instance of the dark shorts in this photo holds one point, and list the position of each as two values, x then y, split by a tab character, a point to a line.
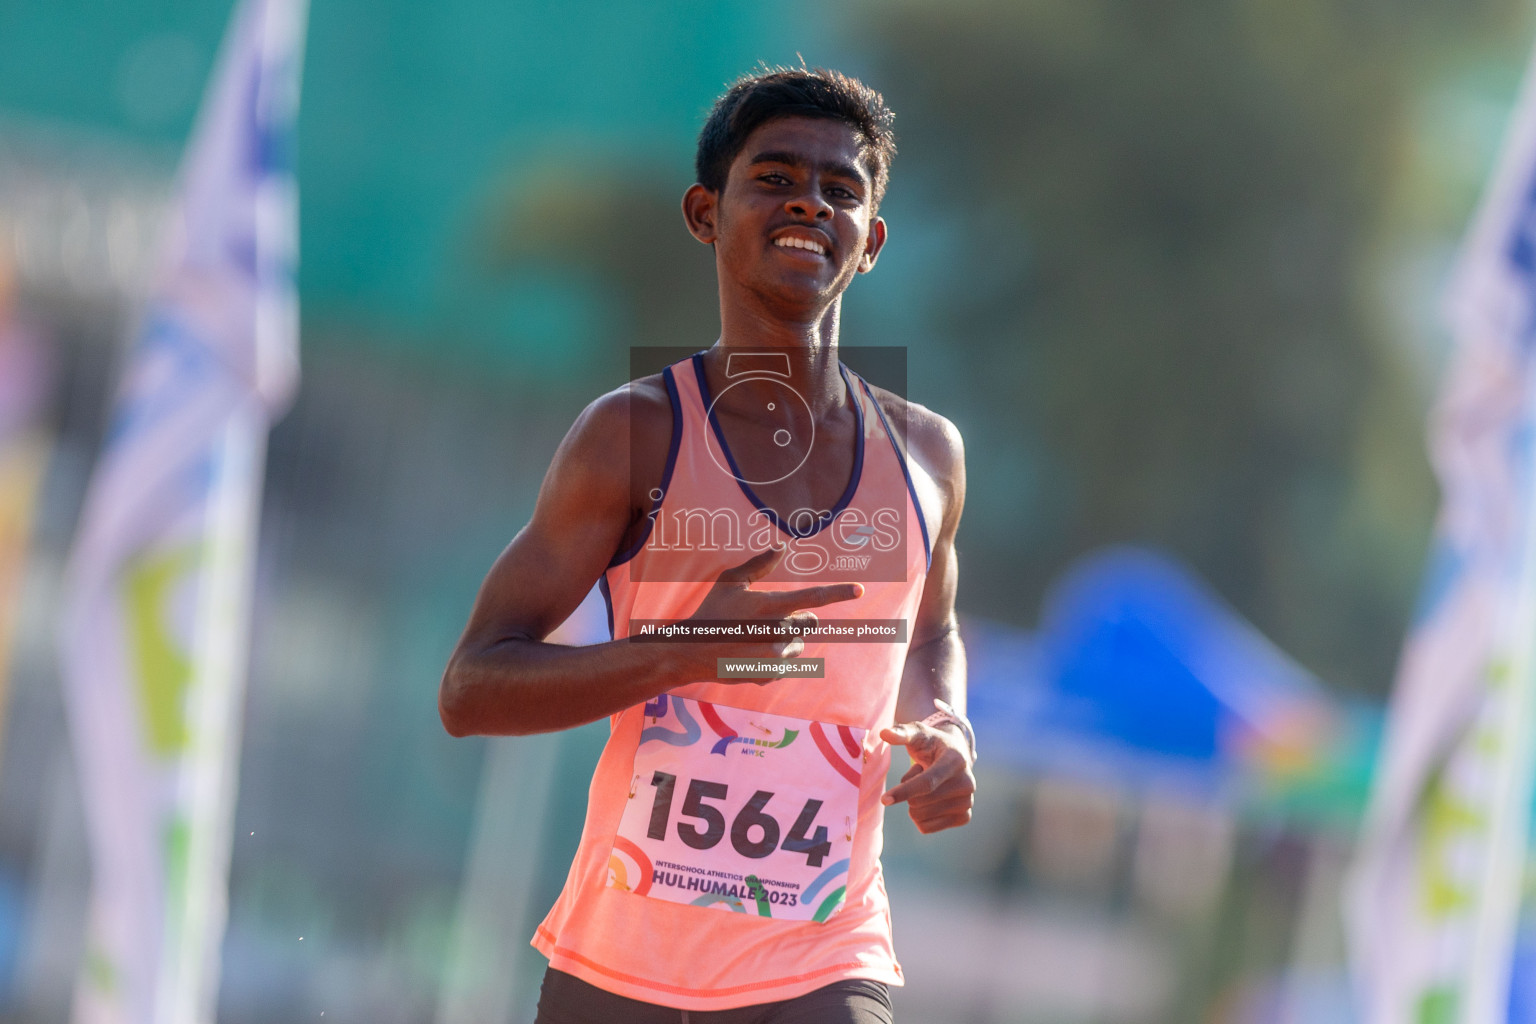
565	999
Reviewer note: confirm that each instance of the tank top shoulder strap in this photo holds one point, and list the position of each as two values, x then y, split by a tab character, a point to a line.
899	451
669	380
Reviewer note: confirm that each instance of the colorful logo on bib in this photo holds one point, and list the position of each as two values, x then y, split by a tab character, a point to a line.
850	766
686	736
629	869
725	742
730	737
833	899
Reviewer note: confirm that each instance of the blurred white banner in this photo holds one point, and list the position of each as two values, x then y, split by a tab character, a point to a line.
1435	894
154	643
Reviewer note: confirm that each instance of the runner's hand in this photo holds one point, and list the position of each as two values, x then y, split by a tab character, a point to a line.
732	598
939	788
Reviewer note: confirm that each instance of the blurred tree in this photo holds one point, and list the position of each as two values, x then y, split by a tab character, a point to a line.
583	215
1169	218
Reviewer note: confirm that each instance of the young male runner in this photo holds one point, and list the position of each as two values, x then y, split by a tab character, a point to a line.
729	866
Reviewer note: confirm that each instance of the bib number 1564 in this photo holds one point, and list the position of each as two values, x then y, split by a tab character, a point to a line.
752	816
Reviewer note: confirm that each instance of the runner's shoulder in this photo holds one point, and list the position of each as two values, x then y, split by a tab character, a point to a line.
623	436
640	408
931	439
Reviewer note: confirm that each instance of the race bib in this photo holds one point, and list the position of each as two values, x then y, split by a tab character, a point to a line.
740	811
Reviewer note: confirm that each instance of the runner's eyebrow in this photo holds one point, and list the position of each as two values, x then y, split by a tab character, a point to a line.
791	159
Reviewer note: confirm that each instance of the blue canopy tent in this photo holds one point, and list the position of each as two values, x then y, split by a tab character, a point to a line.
1140	675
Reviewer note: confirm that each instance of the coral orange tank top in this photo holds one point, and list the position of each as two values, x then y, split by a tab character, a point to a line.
731	851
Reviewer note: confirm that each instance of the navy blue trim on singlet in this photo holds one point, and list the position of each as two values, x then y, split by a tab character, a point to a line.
901	457
666	480
602	585
853	479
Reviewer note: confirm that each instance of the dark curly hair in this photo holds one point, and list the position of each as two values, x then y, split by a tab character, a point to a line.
774	92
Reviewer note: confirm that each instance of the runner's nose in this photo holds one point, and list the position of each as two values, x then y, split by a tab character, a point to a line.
810	205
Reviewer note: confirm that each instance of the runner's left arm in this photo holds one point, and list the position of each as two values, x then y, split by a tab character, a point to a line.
940	787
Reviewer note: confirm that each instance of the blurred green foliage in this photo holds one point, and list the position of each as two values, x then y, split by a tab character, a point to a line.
1173	219
1171	265
1138	252
1157	260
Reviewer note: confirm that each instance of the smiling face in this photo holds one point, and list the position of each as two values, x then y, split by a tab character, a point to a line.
794	223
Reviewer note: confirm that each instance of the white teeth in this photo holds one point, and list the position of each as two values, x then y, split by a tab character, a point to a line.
790	242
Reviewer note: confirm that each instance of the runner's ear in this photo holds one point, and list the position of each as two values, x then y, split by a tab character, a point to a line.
699	208
872	245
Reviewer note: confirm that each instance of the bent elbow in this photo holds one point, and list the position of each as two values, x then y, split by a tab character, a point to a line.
478	697
451	702
450	724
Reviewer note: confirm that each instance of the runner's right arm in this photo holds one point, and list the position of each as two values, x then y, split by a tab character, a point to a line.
502	679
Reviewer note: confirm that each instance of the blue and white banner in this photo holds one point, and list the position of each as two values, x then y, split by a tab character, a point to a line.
1433	904
155	619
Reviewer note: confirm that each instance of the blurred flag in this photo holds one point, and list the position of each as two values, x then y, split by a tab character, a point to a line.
154	643
25	380
1433	903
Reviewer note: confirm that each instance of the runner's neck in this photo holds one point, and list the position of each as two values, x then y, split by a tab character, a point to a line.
811	370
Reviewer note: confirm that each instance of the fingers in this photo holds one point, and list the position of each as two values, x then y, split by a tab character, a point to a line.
802	621
931	814
939	807
923	746
929	780
754	568
800	624
930	824
771	604
813	597
948	806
